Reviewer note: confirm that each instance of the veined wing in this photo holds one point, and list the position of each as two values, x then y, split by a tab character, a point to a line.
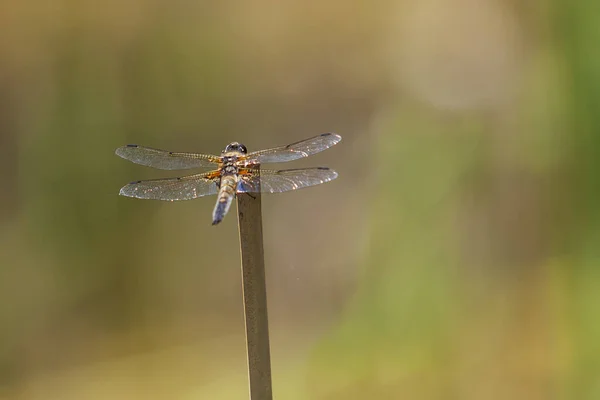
171	189
272	181
294	151
162	159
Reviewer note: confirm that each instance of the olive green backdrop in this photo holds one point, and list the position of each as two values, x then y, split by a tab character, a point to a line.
457	256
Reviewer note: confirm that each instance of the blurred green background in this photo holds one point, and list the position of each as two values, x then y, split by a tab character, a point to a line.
457	256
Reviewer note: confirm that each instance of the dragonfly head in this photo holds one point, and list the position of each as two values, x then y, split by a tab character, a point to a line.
236	147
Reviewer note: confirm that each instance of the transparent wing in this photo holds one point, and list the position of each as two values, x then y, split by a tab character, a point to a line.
162	159
171	189
297	150
272	181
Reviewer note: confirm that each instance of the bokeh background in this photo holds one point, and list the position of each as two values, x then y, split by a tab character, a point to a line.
457	256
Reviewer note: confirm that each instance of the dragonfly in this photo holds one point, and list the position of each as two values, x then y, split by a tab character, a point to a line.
235	171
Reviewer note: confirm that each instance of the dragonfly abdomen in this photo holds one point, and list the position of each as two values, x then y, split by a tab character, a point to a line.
225	198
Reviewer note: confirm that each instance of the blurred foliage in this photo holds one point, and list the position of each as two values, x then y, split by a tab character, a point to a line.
456	256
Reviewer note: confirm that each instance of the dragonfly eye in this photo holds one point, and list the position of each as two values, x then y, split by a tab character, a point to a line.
235	146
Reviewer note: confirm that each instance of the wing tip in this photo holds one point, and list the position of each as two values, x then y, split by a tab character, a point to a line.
120	151
125	189
337	137
332	173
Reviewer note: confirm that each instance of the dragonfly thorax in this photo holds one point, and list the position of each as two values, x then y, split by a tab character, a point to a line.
229	170
230	159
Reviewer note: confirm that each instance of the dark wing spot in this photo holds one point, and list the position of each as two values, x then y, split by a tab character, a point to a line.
324	168
135	182
327	134
170	153
132	145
